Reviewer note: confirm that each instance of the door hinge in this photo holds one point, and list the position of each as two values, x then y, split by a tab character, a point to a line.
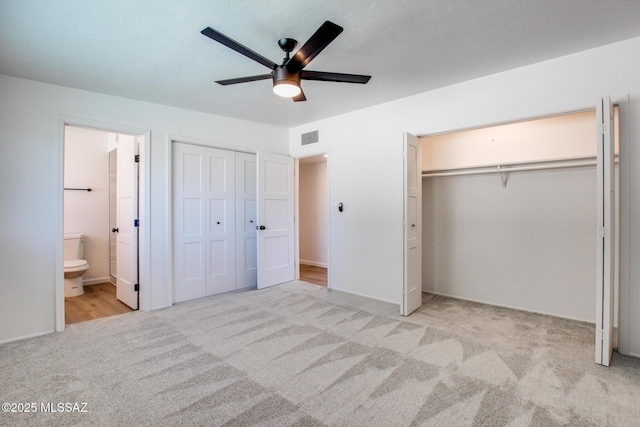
600	333
136	223
136	158
602	232
602	128
136	287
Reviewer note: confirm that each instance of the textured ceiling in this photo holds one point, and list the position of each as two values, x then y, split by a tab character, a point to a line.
152	50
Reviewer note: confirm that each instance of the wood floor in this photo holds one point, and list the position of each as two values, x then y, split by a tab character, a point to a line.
98	301
315	275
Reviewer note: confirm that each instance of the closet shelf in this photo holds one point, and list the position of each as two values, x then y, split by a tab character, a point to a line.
565	163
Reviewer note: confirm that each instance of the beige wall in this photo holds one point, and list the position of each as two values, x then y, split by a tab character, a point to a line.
558	137
313	209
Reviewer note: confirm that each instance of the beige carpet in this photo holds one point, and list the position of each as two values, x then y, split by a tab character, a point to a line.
298	354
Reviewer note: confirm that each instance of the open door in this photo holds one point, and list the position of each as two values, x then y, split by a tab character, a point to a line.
412	223
275	224
127	220
606	233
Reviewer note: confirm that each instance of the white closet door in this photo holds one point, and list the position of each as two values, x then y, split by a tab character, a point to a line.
189	267
246	244
275	219
412	290
606	234
221	219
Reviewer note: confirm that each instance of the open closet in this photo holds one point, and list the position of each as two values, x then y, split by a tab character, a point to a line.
510	215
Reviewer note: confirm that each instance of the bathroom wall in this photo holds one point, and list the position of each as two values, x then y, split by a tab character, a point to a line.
86	165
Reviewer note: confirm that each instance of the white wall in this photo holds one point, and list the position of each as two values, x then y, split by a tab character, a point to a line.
313	207
529	245
366	165
31	196
86	165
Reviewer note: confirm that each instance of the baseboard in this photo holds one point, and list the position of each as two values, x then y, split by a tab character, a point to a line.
314	263
96	281
509	306
26	337
367	296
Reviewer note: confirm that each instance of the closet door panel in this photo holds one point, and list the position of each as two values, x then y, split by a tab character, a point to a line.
221	245
189	267
246	254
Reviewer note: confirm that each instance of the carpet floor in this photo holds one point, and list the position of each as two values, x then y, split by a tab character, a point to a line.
302	355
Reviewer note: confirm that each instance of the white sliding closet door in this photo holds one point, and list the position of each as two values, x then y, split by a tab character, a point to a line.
606	234
246	244
220	213
276	260
189	237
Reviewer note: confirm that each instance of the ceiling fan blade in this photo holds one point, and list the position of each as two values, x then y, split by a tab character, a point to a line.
244	79
299	97
318	41
232	44
334	77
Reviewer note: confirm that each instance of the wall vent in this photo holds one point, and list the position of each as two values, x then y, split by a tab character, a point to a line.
310	138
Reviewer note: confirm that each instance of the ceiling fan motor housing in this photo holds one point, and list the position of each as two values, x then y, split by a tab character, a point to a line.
282	75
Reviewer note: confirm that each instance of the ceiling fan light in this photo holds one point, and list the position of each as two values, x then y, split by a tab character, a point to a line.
286	89
286	83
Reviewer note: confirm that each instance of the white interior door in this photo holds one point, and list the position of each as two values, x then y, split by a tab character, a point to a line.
127	213
275	195
412	224
189	267
606	234
246	243
221	220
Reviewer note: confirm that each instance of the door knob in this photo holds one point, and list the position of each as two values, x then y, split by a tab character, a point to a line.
115	230
262	227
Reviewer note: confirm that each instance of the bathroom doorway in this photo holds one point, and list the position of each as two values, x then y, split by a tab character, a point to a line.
313	209
93	183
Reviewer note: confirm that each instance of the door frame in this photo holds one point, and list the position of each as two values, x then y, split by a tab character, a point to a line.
296	213
144	194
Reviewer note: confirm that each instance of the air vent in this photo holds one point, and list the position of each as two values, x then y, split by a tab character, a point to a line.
310	138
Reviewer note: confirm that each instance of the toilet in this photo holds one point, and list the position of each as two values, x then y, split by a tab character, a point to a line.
74	265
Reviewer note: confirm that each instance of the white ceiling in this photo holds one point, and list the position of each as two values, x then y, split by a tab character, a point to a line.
152	50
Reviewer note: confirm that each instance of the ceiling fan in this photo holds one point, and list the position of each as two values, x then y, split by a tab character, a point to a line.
287	76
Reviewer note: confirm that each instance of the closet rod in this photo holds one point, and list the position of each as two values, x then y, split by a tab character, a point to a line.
78	189
507	169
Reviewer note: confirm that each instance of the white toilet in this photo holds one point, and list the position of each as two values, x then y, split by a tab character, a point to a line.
74	265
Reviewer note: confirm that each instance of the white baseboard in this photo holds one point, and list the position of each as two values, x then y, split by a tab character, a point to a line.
25	337
96	281
314	263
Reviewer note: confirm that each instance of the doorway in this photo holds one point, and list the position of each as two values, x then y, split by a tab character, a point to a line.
313	214
98	191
